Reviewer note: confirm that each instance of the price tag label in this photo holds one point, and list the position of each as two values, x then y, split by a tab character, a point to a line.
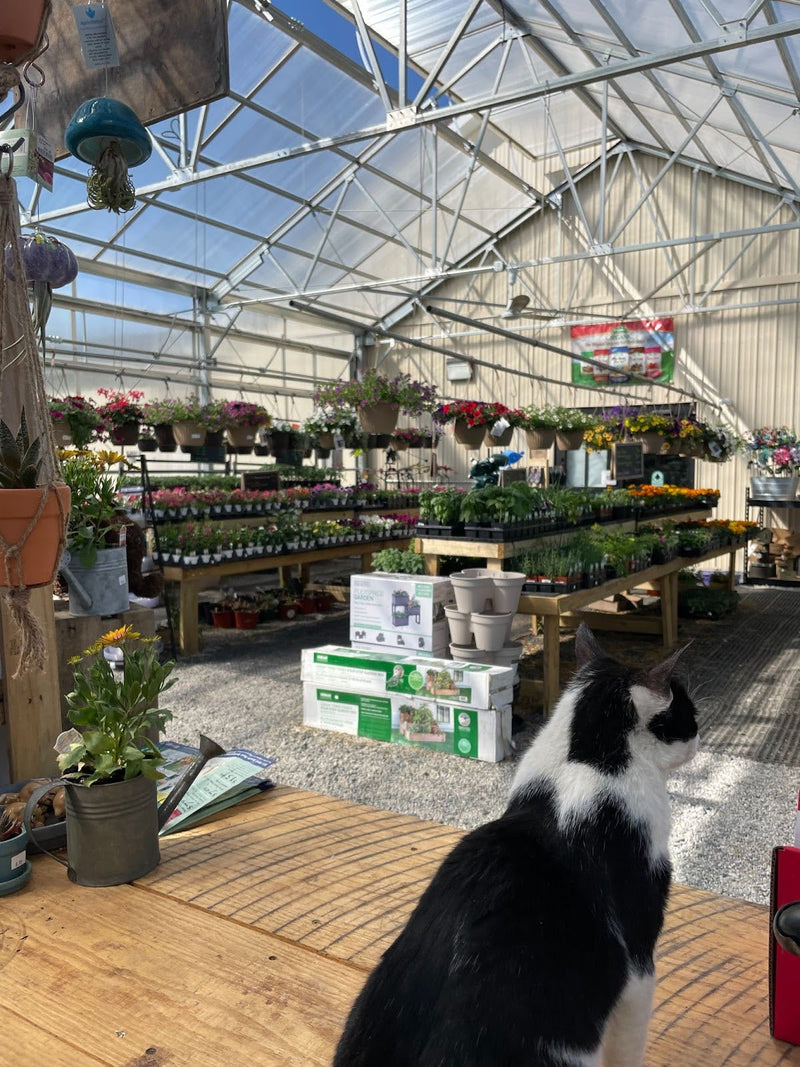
96	35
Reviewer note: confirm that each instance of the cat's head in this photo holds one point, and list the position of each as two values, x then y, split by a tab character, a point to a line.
618	711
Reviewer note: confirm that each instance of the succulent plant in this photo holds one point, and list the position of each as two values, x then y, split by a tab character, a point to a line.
19	458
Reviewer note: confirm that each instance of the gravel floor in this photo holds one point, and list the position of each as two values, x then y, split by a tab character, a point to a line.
244	689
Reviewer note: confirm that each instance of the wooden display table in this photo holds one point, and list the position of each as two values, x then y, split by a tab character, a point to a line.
250	941
190	578
554	610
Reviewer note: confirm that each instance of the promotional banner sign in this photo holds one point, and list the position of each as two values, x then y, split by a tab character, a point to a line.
645	347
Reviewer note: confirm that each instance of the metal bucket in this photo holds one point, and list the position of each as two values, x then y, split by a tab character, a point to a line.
774	488
112	831
103	588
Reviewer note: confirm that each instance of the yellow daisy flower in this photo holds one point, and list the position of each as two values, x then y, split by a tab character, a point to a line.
115	637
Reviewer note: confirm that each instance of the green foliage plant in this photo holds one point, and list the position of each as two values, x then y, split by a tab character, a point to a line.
20	458
113	711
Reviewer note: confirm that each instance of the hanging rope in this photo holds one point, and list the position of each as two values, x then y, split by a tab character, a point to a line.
22	389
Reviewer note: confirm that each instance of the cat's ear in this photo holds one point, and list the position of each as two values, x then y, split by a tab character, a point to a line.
657	677
586	646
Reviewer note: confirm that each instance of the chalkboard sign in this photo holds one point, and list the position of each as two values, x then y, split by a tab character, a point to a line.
260	480
628	461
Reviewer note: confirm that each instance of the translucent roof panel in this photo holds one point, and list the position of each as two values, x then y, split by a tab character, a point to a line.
345	167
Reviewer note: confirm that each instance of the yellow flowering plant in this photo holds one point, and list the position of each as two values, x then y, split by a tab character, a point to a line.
115	712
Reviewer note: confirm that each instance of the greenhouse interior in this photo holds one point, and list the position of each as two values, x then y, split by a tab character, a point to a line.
399	544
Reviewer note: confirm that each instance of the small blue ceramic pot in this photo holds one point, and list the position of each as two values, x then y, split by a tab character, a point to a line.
101	120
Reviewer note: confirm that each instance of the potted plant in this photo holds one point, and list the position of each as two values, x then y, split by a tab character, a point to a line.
110	761
95	563
121	415
76	420
15	867
188	422
160	414
470	420
33	517
649	428
378	399
241	421
774	459
570	427
540	426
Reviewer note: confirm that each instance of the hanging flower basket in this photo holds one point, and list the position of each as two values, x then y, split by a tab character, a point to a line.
127	434
498	441
540	439
147	444
569	440
189	434
32	525
651	442
399	444
62	434
165	438
471	436
324	440
241	436
379	418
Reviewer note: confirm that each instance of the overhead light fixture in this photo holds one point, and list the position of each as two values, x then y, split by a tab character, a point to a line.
516	304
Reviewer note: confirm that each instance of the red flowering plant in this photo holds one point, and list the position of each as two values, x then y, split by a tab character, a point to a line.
476	413
120	408
79	414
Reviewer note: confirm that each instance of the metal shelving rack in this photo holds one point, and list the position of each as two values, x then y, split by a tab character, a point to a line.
767	505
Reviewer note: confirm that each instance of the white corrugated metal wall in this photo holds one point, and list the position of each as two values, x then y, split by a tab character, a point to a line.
739	360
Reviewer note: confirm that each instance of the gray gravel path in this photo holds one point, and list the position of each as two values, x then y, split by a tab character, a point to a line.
244	689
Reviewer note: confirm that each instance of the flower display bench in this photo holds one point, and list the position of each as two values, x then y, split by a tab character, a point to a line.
572	608
190	579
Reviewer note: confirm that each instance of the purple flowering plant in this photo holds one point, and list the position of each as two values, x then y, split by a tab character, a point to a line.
410	395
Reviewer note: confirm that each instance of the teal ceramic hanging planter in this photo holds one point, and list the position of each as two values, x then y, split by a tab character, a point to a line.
107	134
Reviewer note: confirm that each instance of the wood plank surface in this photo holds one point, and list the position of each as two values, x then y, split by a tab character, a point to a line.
342	878
129	977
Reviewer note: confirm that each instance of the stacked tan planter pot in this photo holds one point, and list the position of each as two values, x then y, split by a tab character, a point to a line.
480	623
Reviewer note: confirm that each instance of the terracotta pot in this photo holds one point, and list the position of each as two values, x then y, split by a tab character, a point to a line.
39	554
380	418
23	24
189	434
540	438
288	611
307	605
241	436
471	436
246	620
223	618
498	442
127	434
569	440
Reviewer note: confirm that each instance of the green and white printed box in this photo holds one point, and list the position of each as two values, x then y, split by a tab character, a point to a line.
437	644
477	685
400	606
474	733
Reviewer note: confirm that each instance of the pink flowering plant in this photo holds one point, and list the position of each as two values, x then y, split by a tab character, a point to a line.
243	413
120	408
79	414
411	396
774	450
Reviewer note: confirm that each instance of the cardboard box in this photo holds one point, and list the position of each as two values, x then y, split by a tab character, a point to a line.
406	611
477	685
435	644
784	968
473	733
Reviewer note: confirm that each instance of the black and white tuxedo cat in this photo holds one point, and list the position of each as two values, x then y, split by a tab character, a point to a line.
533	944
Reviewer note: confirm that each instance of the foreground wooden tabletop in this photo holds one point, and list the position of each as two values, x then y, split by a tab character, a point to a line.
249	942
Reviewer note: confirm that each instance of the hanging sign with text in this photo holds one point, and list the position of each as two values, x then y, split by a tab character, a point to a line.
645	347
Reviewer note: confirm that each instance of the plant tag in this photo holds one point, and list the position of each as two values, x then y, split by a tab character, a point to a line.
67	738
338	441
18	860
96	34
499	427
34	157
